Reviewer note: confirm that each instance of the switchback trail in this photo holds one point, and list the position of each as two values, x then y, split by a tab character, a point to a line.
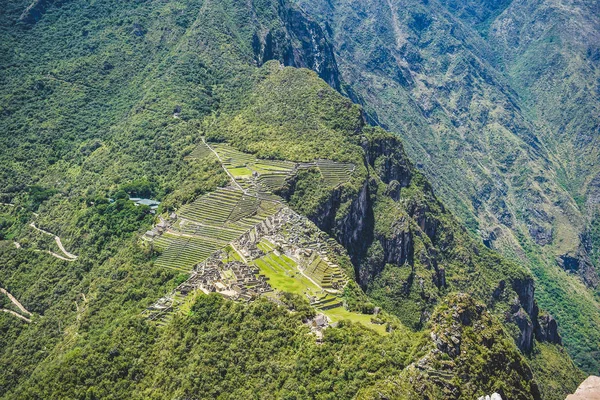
15	301
16	314
58	242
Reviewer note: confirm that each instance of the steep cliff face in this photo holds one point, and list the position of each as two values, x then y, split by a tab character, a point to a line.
471	87
408	250
298	42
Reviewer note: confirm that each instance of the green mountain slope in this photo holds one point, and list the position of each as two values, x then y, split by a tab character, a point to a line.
110	100
427	72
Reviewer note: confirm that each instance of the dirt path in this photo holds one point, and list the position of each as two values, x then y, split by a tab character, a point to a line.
228	173
16	315
58	243
239	253
57	255
15	301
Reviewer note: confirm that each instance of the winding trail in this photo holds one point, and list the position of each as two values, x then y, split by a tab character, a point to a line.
16	314
15	301
56	255
58	242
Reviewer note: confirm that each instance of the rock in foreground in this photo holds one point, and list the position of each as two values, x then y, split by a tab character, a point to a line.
588	390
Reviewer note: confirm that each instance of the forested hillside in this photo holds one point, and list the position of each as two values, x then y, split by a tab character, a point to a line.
496	103
110	104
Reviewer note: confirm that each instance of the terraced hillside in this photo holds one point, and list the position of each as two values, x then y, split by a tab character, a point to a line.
326	274
109	98
208	224
264	177
199	231
317	280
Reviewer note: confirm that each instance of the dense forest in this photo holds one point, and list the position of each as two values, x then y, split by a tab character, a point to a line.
107	101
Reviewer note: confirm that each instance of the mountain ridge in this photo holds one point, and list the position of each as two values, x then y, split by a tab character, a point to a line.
113	102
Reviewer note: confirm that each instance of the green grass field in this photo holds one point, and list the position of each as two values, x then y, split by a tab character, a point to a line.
284	275
240	172
340	313
284	279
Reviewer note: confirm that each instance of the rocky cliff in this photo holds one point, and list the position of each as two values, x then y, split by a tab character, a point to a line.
298	42
403	241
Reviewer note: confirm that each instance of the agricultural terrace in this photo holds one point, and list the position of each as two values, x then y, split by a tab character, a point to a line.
284	274
201	151
260	176
335	173
209	224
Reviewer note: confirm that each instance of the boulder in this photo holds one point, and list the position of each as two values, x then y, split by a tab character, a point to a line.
588	390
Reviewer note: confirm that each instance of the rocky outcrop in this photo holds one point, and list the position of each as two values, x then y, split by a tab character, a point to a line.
588	390
548	329
386	156
525	314
525	289
355	230
580	263
525	338
462	331
302	44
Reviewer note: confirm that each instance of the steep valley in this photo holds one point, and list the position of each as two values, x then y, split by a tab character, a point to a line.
261	199
440	76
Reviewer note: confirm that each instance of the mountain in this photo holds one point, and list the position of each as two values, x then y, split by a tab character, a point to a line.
189	211
443	75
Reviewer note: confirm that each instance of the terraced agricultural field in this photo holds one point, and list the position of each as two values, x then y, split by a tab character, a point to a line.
326	274
265	176
184	252
201	151
207	231
213	208
284	275
162	242
246	207
209	224
335	173
271	181
231	157
270	174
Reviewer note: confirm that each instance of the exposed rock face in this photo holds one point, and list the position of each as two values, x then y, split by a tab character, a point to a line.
387	158
588	390
580	263
301	44
548	329
355	230
525	339
525	290
525	313
465	327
